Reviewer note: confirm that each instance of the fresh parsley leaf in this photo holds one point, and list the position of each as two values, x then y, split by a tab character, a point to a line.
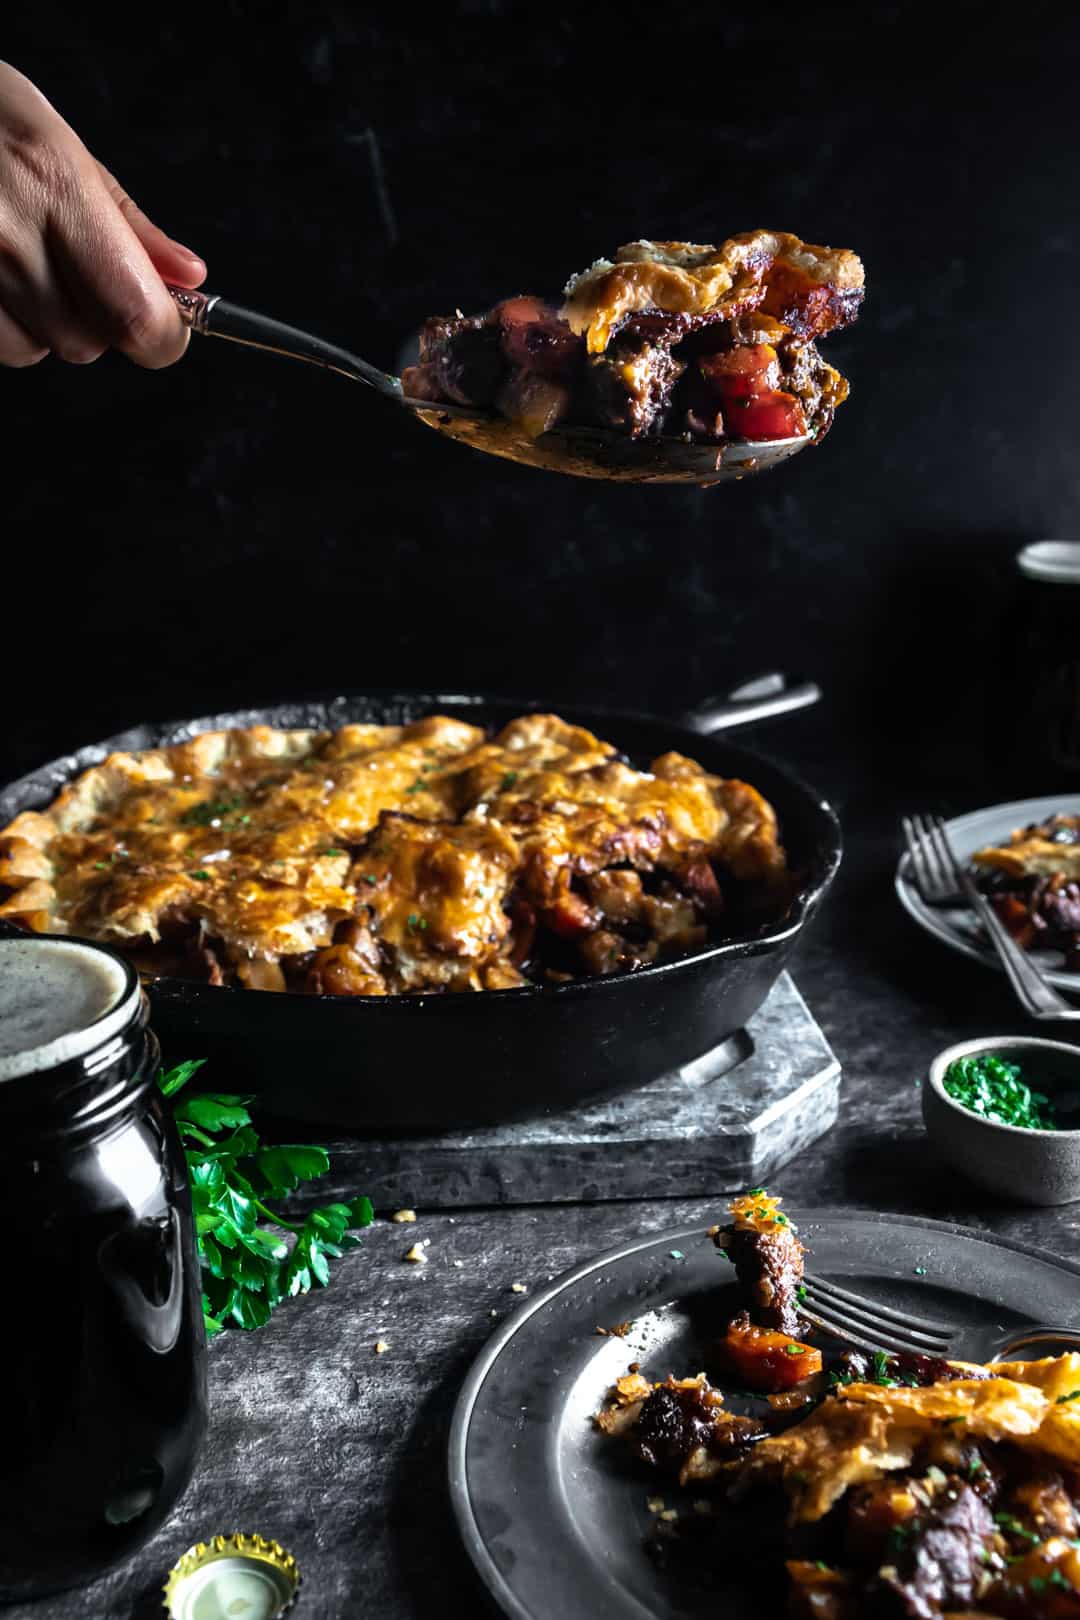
171	1081
213	1113
285	1167
247	1265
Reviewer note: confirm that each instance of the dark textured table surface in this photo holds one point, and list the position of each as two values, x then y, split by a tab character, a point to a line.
339	1453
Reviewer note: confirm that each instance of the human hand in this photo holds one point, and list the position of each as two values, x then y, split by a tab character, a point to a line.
81	267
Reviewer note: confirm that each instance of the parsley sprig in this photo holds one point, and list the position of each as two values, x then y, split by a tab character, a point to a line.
247	1265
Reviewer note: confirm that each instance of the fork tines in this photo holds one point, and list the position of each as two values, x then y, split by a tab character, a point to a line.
871	1326
933	865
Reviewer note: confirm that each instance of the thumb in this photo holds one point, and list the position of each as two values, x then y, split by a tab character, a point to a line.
170	259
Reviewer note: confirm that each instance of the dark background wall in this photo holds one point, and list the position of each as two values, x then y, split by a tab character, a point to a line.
237	527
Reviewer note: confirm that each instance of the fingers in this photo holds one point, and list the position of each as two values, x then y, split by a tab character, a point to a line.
170	258
108	277
17	347
34	302
82	269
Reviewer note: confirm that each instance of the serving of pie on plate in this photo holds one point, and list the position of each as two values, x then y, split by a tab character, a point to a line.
897	1487
1032	879
680	339
384	859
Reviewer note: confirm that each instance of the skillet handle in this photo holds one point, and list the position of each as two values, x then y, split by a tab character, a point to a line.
759	699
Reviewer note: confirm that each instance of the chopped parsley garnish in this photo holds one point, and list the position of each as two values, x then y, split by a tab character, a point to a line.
417	786
756	1192
676	1254
211	810
202	875
800	1293
1074	1394
334	852
102	866
794	1349
369	877
416	921
508	781
920	1271
989	1086
1013	1527
881	1371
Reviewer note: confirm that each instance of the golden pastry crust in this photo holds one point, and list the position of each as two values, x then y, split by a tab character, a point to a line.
1036	851
382	859
688	278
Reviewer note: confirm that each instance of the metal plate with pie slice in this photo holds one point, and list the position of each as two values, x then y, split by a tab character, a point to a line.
554	1515
957	927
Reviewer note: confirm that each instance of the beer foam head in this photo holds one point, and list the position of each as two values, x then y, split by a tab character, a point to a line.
59	999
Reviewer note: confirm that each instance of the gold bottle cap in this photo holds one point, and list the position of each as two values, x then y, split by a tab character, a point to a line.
234	1577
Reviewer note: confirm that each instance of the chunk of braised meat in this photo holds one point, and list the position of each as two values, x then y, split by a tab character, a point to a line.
769	1268
936	1558
765	1359
630	386
603	952
682	1416
534	338
351	966
617	895
520	358
634	926
698	880
461	360
569	914
1042	1505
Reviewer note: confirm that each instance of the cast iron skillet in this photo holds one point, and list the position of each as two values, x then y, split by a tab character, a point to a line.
429	1062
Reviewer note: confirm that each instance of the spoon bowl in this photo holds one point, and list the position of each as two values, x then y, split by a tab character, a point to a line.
585	452
580	452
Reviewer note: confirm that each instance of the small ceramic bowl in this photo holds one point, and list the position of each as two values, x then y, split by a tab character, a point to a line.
1034	1167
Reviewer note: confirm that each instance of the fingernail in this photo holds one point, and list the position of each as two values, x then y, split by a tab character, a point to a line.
196	262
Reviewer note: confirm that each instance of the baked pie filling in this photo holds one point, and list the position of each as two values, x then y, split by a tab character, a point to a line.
675	338
377	860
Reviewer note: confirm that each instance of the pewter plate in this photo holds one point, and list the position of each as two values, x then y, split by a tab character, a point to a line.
552	1514
958	928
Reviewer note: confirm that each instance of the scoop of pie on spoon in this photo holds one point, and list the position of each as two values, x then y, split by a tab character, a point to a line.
674	364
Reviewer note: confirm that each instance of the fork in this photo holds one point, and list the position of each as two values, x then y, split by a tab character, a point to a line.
941	881
869	1326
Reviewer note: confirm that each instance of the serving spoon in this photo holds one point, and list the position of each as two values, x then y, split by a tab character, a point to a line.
582	452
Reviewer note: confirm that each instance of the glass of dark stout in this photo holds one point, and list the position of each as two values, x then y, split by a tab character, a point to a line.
105	1351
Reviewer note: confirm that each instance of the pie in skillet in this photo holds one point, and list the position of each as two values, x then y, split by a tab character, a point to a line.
676	338
385	859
